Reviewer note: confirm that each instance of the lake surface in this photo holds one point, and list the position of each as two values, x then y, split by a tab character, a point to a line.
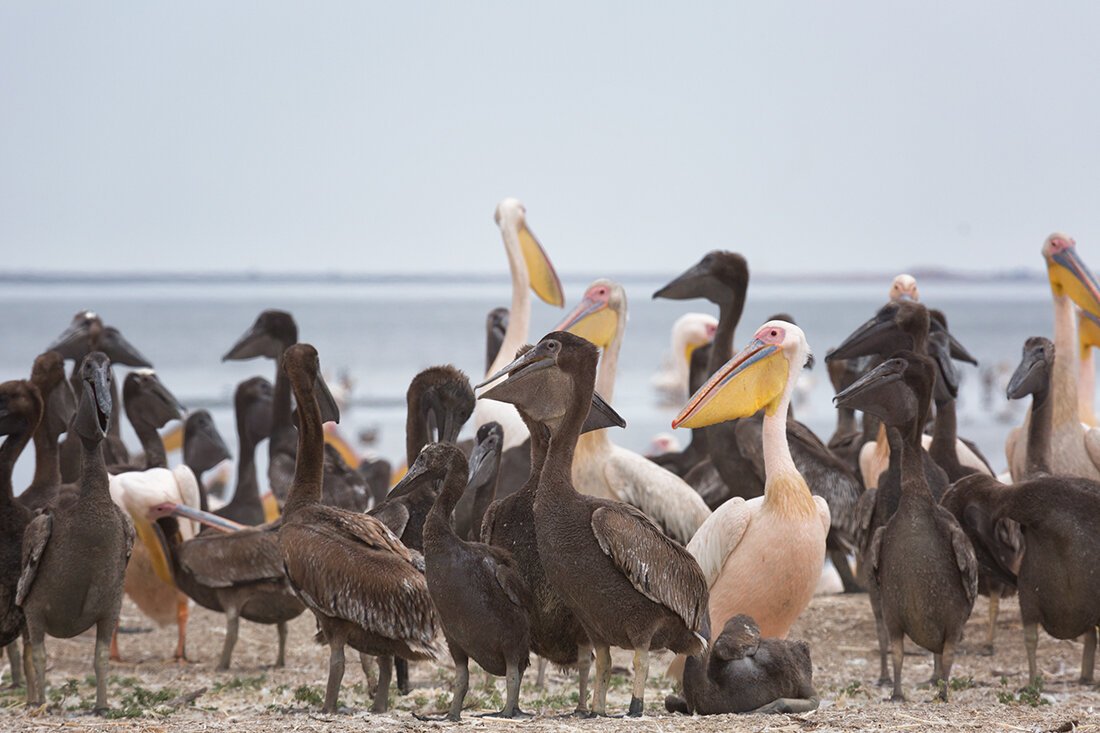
382	334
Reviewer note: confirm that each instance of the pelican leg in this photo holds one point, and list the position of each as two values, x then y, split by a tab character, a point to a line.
603	679
462	684
280	660
641	672
367	663
584	666
28	664
994	606
183	611
336	641
103	631
402	667
947	658
15	659
898	652
232	626
115	656
382	692
39	652
540	679
844	570
1031	642
1088	656
883	645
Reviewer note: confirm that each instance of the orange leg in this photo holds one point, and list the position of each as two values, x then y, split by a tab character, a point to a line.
115	656
183	610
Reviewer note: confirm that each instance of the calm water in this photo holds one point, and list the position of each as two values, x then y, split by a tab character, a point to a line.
381	335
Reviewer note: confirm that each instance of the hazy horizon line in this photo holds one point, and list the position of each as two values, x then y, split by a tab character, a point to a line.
931	274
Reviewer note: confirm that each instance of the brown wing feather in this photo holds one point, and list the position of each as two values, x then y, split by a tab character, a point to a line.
394	515
964	553
487	522
350	566
35	538
224	560
501	563
657	567
865	511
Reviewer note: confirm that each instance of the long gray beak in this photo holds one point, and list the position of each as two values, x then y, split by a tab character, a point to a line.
602	415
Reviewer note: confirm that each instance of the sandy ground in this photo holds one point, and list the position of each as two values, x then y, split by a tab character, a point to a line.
253	696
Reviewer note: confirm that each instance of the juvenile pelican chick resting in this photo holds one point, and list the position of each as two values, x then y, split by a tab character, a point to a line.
761	557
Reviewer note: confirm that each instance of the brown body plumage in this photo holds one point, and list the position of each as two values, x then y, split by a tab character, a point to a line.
744	673
74	558
477	588
366	589
48	375
628	584
239	574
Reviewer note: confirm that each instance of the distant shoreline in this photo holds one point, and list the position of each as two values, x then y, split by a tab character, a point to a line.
474	278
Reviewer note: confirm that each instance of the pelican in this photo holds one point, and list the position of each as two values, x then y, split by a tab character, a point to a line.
1088	336
149	580
761	557
874	455
690	331
608	471
904	286
1075	450
531	271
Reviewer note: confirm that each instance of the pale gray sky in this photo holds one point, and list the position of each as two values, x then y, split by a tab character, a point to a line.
376	137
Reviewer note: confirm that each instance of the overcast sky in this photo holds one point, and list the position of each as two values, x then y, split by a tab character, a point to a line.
373	137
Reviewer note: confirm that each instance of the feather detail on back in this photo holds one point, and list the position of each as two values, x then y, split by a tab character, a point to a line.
657	567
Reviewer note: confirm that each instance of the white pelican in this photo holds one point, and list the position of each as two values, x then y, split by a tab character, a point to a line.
531	270
904	286
148	578
761	557
603	469
1074	449
690	331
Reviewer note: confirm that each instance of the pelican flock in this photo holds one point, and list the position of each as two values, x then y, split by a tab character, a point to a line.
532	537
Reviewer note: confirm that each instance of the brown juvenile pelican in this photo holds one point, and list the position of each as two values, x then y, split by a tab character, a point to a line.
652	594
477	589
509	523
239	574
203	446
722	278
75	556
364	587
605	470
48	375
252	408
21	409
85	334
273	332
920	561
